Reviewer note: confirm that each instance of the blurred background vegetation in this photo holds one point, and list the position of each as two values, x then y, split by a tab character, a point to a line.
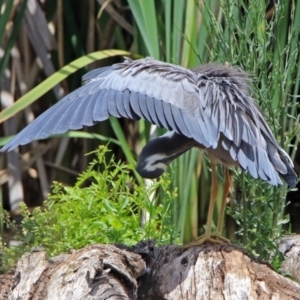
39	38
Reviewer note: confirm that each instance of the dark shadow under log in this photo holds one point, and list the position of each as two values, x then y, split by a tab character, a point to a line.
205	272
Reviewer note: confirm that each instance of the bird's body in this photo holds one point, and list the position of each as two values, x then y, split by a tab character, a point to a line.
208	107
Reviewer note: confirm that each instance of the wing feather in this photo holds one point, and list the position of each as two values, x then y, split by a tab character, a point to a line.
168	116
160	114
179	121
151	110
196	129
127	106
48	121
68	117
134	103
142	102
88	116
235	115
110	98
91	75
121	105
100	112
204	104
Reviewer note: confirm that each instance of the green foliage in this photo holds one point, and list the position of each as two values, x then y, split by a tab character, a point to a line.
104	206
255	214
8	256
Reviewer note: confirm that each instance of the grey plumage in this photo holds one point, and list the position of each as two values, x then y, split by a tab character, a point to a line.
209	105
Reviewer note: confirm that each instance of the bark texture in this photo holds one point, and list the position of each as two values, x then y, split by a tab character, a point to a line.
94	272
290	247
212	271
205	272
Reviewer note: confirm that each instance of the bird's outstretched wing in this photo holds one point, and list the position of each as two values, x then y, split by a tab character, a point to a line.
244	133
209	104
163	94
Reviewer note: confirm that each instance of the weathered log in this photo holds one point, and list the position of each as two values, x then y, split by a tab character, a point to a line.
212	271
290	247
205	272
94	272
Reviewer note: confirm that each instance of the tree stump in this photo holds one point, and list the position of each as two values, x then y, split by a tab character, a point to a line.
209	271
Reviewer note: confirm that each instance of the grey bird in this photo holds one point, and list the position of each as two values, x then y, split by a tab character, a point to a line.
208	107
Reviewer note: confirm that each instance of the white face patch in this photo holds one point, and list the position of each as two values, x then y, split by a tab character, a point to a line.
151	164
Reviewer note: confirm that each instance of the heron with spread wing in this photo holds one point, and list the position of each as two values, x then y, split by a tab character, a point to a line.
208	107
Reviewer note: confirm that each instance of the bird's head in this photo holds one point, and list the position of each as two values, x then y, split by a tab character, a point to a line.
151	166
160	152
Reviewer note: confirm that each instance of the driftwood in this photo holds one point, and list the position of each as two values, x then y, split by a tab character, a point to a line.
205	272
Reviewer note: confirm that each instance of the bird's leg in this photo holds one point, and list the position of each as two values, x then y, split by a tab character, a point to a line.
212	200
208	236
226	188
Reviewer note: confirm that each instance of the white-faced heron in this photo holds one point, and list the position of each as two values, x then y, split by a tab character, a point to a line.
208	107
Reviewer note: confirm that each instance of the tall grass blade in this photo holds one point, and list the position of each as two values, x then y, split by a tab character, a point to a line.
15	30
54	79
